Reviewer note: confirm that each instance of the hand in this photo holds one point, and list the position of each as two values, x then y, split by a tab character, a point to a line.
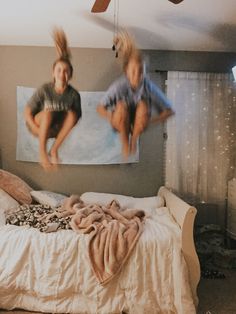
163	116
104	113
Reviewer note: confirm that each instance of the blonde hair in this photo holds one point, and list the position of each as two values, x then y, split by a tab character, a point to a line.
62	48
125	45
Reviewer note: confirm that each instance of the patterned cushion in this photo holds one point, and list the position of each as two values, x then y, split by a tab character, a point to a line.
15	187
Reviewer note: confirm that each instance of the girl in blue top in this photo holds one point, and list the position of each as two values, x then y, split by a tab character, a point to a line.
128	101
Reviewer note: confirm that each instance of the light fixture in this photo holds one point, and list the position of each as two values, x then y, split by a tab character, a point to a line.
234	72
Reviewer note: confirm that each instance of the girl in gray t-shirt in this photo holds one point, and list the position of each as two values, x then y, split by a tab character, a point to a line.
55	107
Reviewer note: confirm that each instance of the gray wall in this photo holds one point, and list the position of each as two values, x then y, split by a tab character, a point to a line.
94	70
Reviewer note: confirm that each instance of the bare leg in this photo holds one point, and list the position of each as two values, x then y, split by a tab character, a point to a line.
68	123
120	122
44	120
140	123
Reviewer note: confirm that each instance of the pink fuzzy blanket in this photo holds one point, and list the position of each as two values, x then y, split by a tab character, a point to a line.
113	233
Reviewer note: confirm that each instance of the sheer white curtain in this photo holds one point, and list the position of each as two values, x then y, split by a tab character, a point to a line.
201	144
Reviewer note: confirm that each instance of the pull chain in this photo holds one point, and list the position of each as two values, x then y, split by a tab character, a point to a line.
116	24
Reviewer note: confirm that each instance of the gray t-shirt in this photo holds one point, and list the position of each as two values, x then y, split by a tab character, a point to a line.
46	98
147	91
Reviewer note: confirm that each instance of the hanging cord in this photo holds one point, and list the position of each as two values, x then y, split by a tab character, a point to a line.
117	20
116	25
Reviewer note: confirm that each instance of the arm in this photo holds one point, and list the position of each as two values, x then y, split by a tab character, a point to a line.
33	107
76	105
40	131
163	116
103	112
39	121
161	102
112	95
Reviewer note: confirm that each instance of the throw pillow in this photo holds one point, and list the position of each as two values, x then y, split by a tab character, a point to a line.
7	203
151	202
48	198
15	187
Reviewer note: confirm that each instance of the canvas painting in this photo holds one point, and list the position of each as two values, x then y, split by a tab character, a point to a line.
91	141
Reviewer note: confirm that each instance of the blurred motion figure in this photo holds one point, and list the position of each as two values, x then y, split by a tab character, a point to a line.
55	107
128	101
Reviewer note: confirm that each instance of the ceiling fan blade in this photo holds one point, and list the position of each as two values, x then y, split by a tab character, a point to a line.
176	1
100	6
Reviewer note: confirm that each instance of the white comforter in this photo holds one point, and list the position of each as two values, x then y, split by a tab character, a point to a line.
50	272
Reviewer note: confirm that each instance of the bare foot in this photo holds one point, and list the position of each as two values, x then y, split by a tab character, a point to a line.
47	166
45	163
54	159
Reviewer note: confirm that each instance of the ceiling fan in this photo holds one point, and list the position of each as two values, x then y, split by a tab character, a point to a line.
101	5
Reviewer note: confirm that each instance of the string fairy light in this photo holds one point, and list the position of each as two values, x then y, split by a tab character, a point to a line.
208	154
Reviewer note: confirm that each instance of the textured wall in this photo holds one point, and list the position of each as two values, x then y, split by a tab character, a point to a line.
94	70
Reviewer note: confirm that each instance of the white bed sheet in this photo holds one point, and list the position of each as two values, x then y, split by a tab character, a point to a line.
51	272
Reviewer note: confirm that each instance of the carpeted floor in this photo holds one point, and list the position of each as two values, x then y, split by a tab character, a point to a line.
217	296
217	288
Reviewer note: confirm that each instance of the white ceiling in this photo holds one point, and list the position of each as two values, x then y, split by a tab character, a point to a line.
197	25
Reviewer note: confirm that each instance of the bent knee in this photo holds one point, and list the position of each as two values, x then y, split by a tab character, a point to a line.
142	115
142	109
120	115
42	115
140	124
121	108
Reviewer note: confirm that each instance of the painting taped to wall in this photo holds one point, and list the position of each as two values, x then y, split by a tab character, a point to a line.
91	141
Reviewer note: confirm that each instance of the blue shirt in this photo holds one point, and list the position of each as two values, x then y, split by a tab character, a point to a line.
147	91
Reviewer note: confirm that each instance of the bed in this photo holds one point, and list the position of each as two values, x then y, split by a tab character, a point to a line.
50	272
